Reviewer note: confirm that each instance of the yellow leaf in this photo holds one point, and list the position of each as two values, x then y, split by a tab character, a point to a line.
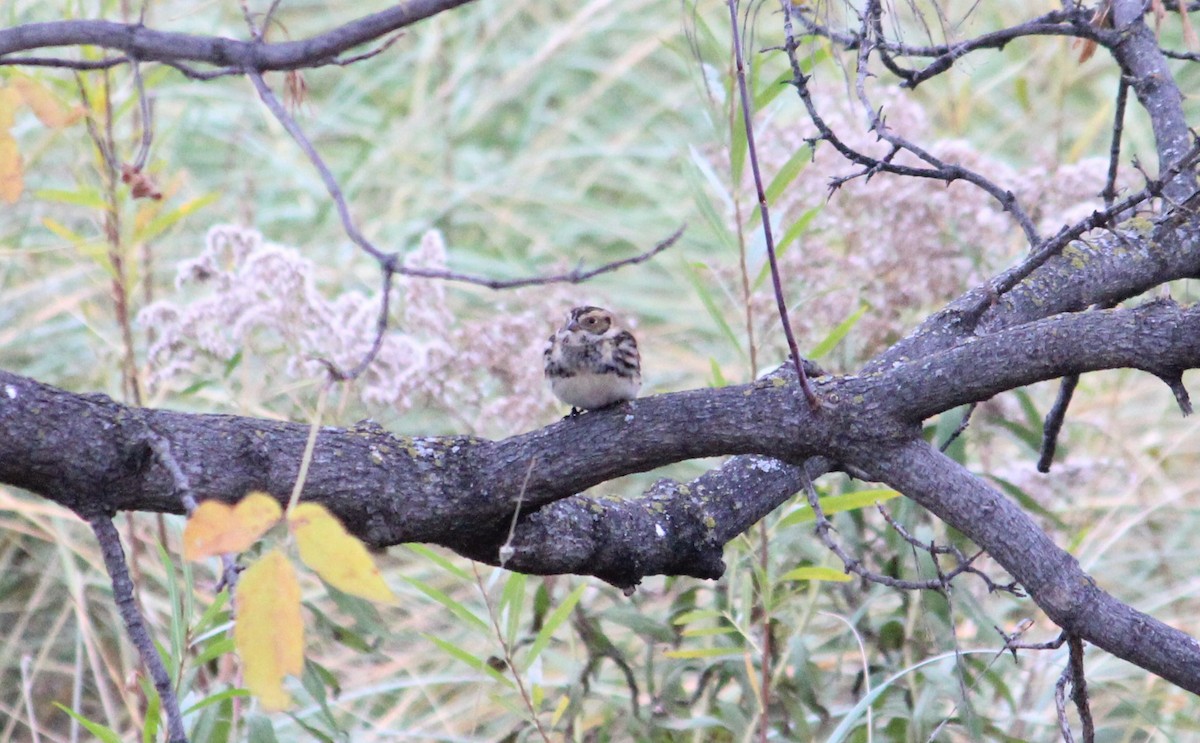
270	631
12	178
815	573
45	105
9	100
337	556
215	528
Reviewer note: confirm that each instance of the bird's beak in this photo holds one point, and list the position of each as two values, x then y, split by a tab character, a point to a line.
572	325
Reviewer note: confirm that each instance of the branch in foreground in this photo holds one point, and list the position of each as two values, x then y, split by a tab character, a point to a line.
92	454
146	44
1070	597
118	572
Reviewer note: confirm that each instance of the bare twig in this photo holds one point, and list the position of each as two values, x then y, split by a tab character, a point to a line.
390	263
1052	426
380	49
62	63
963	563
1114	150
1067	22
780	302
143	154
1073	674
1079	693
150	45
938	170
1102	218
508	655
114	562
822	527
962	426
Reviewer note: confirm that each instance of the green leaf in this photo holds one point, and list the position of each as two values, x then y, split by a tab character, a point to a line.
91	198
315	680
816	574
692	274
162	222
456	608
153	708
217	698
178	629
798	227
738	146
1026	501
105	734
479	664
697	176
696	615
850	721
512	600
261	730
708	631
210	616
792	168
553	621
837	503
217	647
704	653
215	723
429	555
837	334
718	377
771	90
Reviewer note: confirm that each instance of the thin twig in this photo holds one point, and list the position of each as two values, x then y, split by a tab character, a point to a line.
508	656
1052	427
1053	424
391	261
143	154
963	563
852	565
122	585
1052	246
1079	694
939	170
64	64
310	445
506	550
1114	150
1067	22
962	426
780	302
380	49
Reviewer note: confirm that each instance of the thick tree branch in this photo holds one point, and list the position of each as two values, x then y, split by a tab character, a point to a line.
97	456
1069	596
1143	63
89	453
146	44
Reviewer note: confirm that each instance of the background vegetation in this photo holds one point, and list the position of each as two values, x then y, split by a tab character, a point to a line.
538	135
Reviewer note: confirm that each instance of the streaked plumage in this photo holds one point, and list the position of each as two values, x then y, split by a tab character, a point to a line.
592	362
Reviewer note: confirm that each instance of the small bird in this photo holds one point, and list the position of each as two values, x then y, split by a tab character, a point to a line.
592	362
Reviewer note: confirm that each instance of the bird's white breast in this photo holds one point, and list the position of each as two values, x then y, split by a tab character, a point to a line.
591	391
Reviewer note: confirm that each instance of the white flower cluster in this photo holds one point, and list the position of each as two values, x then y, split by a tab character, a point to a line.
262	300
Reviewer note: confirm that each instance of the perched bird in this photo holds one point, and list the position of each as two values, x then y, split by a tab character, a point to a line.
592	362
